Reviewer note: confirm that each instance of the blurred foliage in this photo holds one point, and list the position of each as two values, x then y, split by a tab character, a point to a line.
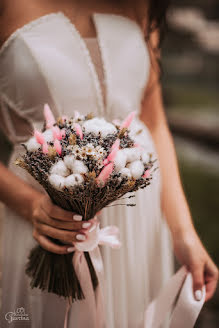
190	88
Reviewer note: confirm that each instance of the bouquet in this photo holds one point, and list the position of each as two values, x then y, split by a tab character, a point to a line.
84	163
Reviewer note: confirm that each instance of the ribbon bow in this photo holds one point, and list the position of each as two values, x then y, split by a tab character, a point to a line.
107	236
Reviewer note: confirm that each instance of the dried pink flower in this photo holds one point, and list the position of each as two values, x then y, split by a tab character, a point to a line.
56	133
58	146
78	130
39	137
105	174
127	122
116	144
147	174
114	149
50	119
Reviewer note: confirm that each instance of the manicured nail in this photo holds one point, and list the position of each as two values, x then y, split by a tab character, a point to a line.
80	237
86	225
77	217
92	228
70	249
198	295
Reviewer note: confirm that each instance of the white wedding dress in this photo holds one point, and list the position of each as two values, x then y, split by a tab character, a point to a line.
47	61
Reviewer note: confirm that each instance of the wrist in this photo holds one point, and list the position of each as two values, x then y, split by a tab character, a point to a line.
186	237
183	233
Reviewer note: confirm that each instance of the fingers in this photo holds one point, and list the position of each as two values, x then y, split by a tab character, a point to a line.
211	279
64	235
57	212
66	225
49	245
198	280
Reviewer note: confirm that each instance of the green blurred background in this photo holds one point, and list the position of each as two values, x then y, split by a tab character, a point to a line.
191	95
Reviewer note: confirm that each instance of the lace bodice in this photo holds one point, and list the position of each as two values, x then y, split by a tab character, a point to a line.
47	61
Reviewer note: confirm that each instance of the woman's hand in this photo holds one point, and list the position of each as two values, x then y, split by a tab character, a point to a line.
190	252
50	220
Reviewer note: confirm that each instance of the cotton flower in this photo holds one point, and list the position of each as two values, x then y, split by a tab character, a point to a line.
70	181
78	178
125	171
99	125
133	154
32	145
69	160
57	181
145	156
60	169
136	169
120	160
79	167
73	180
48	135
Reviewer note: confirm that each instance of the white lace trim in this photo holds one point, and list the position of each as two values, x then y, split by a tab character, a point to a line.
29	26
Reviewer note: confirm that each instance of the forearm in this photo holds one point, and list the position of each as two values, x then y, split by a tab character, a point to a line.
15	193
173	200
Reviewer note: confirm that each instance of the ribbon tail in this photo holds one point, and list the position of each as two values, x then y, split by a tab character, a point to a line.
96	259
186	309
88	312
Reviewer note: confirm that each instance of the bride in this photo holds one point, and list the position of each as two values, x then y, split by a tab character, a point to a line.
99	56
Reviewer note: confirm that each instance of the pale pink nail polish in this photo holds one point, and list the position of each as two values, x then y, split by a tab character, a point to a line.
77	218
86	225
198	295
70	249
80	237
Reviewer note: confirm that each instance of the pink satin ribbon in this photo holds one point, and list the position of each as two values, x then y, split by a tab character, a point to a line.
177	299
90	311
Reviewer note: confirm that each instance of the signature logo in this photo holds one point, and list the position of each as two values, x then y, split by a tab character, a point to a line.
18	315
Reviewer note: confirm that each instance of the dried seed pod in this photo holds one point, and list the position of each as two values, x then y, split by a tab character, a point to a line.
21	163
122	133
72	139
51	152
89	116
